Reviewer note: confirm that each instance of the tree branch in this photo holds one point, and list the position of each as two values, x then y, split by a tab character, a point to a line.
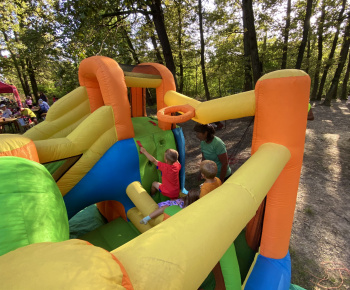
126	12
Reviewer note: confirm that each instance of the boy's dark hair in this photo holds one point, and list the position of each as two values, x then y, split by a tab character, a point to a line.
208	168
200	128
171	155
191	197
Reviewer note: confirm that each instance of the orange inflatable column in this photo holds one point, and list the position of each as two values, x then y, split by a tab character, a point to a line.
138	102
281	107
105	84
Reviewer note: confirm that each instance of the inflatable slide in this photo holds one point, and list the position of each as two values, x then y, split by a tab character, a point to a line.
87	152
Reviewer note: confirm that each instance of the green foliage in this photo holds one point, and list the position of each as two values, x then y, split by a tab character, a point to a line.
46	40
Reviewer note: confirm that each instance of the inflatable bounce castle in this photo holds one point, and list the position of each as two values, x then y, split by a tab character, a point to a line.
87	151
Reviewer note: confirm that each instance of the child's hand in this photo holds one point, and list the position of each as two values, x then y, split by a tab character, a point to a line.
143	150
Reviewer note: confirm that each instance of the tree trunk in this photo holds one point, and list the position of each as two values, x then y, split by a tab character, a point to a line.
286	36
305	34
19	68
154	41
345	91
32	78
335	92
264	48
20	75
308	55
248	81
158	20
179	41
331	54
130	45
247	9
22	66
196	93
342	59
16	65
320	52
207	94
25	77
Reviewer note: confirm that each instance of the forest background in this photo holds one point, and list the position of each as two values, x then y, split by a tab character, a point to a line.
213	48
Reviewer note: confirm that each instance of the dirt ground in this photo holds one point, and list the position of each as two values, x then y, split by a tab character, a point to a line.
319	244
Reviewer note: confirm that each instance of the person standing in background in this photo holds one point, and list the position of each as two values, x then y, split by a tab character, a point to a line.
42	97
213	148
29	102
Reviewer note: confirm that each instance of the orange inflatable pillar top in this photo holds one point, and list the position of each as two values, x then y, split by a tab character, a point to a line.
281	108
17	145
105	85
168	83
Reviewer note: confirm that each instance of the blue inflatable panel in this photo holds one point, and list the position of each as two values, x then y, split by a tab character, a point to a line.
180	143
270	274
108	179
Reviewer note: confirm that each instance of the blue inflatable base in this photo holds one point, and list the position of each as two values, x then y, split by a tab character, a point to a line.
270	274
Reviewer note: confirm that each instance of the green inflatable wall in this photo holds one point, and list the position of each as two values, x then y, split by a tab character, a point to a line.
156	141
31	205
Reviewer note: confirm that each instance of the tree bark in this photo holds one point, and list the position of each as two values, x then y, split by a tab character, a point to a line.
345	91
320	52
179	41
158	20
16	65
342	59
308	55
154	42
196	78
204	75
130	45
26	87
305	34
331	54
286	36
248	80
264	48
20	75
32	78
247	9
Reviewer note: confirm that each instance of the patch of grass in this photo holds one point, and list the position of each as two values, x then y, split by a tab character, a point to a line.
309	211
302	267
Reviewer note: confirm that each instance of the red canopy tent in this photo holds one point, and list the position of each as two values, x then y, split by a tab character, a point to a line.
5	88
